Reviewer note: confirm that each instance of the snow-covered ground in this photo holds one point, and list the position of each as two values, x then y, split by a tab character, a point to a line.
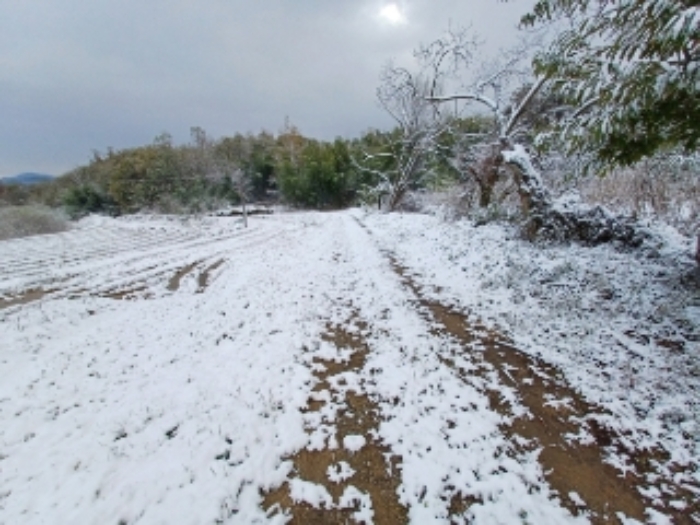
160	370
623	327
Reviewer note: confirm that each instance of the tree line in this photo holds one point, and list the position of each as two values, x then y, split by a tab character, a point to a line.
204	174
618	85
207	174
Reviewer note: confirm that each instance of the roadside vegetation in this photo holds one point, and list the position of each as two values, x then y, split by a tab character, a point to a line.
23	221
574	134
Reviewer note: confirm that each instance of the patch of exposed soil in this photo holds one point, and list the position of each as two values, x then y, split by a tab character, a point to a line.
121	295
376	471
203	278
253	211
174	283
25	297
574	468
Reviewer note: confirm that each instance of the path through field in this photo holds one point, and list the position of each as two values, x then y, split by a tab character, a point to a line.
158	371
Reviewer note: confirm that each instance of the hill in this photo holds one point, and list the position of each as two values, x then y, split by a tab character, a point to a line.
27	179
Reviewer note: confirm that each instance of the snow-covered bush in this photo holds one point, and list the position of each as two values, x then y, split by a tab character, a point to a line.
652	189
665	187
23	221
630	68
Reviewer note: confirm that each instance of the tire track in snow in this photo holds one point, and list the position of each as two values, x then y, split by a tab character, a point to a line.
148	279
129	280
559	422
345	475
131	248
456	465
174	282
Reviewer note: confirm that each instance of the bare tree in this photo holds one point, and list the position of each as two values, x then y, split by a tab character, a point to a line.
494	89
408	97
241	183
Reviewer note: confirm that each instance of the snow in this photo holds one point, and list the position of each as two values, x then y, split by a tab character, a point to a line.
311	493
185	405
610	320
354	443
577	499
352	497
340	472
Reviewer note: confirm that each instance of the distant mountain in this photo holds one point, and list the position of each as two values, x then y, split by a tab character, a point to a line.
27	179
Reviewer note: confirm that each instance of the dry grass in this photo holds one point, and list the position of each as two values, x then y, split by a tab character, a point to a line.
674	197
23	221
660	189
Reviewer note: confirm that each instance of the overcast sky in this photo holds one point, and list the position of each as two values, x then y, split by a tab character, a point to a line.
77	75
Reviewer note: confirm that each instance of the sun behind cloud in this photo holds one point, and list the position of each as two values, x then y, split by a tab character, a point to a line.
392	14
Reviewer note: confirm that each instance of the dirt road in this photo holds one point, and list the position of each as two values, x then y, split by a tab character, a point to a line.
155	371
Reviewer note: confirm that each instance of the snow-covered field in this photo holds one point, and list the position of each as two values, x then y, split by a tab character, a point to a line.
167	370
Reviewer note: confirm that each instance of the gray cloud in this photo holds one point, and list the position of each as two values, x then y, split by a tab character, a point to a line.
77	76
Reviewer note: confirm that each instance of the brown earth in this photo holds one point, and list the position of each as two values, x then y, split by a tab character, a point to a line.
25	297
377	473
174	283
556	412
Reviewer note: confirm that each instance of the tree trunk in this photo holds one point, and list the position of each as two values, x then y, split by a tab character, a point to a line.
397	194
565	221
535	200
489	180
485	193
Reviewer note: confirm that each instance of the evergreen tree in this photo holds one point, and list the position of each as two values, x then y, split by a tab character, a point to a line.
631	70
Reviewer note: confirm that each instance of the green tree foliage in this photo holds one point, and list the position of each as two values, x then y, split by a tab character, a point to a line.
631	70
255	156
260	167
317	175
82	200
204	174
134	182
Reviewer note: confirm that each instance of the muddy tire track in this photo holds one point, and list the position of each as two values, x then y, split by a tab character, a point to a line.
573	443
137	283
174	282
359	475
26	297
204	277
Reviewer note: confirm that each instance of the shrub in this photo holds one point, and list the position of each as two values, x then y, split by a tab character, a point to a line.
83	200
23	221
